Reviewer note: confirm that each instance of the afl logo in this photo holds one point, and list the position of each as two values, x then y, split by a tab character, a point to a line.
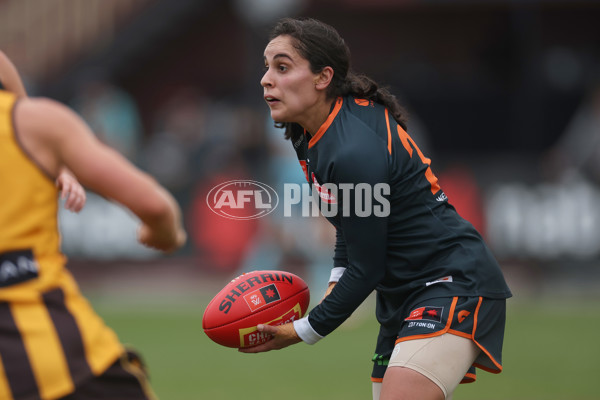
242	199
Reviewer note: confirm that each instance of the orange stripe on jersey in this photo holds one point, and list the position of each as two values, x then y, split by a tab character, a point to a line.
387	122
435	187
431	178
405	138
327	123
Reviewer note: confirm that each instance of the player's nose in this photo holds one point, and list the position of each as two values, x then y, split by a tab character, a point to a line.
266	80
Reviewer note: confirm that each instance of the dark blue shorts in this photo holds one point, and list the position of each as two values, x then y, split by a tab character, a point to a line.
477	318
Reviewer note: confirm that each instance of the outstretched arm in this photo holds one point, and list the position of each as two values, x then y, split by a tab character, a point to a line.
71	190
59	138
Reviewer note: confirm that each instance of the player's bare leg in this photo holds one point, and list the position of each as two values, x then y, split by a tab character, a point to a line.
428	369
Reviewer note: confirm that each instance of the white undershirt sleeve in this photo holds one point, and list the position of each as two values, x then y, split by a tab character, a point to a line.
302	326
336	274
306	332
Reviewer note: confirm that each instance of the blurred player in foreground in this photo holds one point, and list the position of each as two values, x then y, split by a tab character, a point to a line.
52	343
440	292
71	191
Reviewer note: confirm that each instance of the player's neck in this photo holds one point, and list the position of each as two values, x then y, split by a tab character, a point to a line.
317	116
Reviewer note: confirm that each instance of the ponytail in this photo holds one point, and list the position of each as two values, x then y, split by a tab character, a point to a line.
361	86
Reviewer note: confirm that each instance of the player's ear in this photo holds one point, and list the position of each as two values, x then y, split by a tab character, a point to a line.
323	78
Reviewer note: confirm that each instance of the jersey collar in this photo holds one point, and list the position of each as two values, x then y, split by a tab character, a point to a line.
327	123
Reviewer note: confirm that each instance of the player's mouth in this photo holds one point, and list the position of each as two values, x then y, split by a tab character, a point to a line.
271	100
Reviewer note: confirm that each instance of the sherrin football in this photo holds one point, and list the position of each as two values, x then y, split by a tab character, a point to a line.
258	297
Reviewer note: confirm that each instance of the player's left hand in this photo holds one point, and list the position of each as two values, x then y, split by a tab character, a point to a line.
71	191
281	336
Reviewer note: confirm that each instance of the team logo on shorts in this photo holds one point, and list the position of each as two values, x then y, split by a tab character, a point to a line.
462	315
426	313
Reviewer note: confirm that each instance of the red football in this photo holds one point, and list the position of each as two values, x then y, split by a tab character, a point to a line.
258	297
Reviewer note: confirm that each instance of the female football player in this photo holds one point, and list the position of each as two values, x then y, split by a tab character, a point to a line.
441	295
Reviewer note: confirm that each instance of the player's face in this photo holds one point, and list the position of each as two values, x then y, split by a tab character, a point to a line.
289	84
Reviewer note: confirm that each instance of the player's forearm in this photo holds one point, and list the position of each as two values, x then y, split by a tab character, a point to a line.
329	289
345	297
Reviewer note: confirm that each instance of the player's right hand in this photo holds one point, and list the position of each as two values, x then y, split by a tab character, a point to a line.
282	336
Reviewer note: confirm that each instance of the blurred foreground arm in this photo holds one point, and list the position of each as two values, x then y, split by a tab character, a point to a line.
71	191
10	78
59	138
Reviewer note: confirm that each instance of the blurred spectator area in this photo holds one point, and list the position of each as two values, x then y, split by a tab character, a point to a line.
499	93
483	77
44	37
501	75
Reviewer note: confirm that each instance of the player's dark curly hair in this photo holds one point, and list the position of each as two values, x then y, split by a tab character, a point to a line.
322	46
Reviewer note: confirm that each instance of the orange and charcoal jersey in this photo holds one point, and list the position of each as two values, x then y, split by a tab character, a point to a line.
50	337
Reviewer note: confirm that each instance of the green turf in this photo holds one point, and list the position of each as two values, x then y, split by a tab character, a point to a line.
550	352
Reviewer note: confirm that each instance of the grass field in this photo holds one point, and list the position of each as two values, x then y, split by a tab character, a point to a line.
551	352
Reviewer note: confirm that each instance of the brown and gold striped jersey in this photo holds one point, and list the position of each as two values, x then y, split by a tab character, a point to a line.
50	337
